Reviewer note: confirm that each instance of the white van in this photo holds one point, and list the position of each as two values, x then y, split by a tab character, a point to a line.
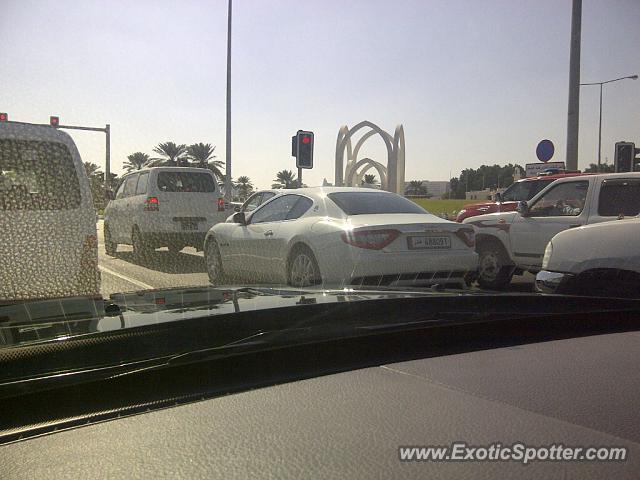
48	243
157	207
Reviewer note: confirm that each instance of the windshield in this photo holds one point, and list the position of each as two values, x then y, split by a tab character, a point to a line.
332	146
523	191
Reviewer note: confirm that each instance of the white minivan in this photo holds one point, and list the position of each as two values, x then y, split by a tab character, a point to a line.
48	243
157	207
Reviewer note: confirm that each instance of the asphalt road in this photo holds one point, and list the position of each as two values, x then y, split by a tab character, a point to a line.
125	273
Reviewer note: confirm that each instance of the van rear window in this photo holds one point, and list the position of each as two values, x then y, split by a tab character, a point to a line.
186	182
37	175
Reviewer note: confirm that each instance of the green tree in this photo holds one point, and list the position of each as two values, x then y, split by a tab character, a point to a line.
135	161
244	186
172	155
486	176
370	179
96	184
416	187
201	154
285	179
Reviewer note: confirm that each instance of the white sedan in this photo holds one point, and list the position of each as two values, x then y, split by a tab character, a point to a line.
340	236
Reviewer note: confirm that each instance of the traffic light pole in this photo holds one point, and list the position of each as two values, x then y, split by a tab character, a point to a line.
107	131
299	177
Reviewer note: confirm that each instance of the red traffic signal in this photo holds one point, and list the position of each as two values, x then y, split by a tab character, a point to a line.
4	117
54	121
303	149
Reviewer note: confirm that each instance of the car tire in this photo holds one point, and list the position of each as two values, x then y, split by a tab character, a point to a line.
213	262
494	269
140	248
110	247
303	270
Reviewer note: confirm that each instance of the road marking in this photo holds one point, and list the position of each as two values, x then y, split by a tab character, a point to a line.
128	279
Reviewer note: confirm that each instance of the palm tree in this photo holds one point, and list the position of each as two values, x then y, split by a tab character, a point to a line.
201	154
370	179
135	161
172	155
285	179
244	186
416	187
92	169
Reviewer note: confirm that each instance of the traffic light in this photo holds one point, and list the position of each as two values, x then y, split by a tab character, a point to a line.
303	149
54	121
4	117
624	156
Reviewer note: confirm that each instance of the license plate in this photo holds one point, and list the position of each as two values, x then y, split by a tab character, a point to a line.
428	242
189	225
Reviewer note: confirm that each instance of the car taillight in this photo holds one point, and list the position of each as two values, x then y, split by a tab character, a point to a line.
221	204
371	239
152	204
468	236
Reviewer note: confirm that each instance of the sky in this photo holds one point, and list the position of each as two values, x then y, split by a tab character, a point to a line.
472	82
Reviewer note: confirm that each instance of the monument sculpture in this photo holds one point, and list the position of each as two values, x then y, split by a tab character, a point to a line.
351	174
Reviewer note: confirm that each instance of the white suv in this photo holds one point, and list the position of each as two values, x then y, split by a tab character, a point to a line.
48	238
170	207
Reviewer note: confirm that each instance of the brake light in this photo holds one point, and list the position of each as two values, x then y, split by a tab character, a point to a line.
370	239
220	204
468	236
152	204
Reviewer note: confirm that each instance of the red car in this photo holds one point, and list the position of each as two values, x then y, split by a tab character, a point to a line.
524	189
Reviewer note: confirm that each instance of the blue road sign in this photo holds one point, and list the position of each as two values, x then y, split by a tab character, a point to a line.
545	150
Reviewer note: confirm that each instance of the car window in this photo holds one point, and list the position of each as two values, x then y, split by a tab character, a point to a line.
266	196
186	182
276	210
120	191
565	199
363	203
523	191
619	196
37	176
130	185
141	189
252	203
300	208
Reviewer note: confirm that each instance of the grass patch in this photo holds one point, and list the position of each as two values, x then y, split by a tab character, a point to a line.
437	206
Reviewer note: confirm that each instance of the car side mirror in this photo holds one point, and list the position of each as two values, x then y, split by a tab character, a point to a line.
497	197
236	208
109	195
523	208
239	218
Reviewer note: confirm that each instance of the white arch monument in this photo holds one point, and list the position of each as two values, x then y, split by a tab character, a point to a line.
351	174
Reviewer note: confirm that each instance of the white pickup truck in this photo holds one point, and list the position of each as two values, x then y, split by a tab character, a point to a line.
514	242
596	260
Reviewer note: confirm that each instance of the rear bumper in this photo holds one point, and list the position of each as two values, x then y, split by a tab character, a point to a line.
356	266
553	282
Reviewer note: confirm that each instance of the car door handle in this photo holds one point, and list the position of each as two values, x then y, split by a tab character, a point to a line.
268	233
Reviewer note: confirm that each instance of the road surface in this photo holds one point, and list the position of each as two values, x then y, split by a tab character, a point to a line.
125	273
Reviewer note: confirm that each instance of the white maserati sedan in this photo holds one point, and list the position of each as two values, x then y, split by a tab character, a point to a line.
337	237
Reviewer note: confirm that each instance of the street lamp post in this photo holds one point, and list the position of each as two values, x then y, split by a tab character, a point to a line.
227	184
631	77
